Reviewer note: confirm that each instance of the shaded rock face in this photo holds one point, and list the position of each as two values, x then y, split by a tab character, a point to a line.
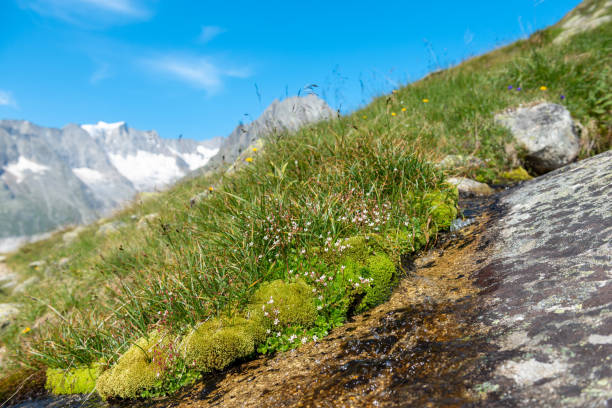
547	133
548	289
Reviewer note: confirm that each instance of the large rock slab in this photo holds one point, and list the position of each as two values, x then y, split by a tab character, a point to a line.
547	133
548	290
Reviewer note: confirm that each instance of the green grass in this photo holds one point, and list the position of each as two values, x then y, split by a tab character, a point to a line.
288	212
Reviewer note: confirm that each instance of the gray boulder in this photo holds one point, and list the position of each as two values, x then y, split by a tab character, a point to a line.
469	186
547	133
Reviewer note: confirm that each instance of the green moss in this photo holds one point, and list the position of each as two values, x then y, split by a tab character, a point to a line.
81	380
138	369
293	301
217	343
357	248
381	270
518	174
442	206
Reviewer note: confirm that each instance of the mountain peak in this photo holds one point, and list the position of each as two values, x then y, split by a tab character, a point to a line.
102	127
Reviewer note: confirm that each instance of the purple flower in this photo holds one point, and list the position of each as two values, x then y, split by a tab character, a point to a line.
562	97
509	86
519	88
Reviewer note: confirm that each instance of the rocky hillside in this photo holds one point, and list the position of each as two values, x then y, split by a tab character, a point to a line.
53	177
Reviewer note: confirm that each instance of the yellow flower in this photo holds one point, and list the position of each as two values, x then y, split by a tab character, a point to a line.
255	149
393	113
425	100
210	188
24	331
364	117
543	88
403	109
248	159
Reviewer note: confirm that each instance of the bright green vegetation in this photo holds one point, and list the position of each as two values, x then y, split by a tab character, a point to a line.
316	222
73	381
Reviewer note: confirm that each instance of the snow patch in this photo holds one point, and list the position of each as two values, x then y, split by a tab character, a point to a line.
196	160
23	166
147	170
101	127
88	176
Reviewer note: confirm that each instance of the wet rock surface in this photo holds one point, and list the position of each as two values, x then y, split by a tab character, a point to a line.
547	289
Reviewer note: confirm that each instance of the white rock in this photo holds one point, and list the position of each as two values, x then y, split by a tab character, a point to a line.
547	133
466	185
7	312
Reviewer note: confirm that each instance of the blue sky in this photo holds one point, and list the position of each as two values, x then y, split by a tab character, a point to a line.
198	68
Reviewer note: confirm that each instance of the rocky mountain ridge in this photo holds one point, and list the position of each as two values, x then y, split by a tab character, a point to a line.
51	177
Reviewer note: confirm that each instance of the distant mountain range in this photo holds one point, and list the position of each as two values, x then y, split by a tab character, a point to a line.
53	177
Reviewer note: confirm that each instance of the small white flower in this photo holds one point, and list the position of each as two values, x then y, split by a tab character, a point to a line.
268	331
276	321
319	307
277	334
304	339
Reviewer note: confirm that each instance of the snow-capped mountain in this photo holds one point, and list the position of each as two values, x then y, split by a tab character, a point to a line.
52	177
145	159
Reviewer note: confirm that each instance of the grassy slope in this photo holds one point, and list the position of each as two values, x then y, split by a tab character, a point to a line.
114	286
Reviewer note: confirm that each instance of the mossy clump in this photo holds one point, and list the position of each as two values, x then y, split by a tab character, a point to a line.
442	206
289	303
381	271
80	380
516	175
218	342
138	369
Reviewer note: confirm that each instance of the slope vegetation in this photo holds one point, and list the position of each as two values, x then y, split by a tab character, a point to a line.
305	232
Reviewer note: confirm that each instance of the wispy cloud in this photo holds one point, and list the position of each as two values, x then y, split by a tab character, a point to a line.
101	73
200	72
468	37
6	99
210	32
86	12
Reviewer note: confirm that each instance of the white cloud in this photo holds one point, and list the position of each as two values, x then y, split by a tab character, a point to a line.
6	99
86	12
210	32
199	71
